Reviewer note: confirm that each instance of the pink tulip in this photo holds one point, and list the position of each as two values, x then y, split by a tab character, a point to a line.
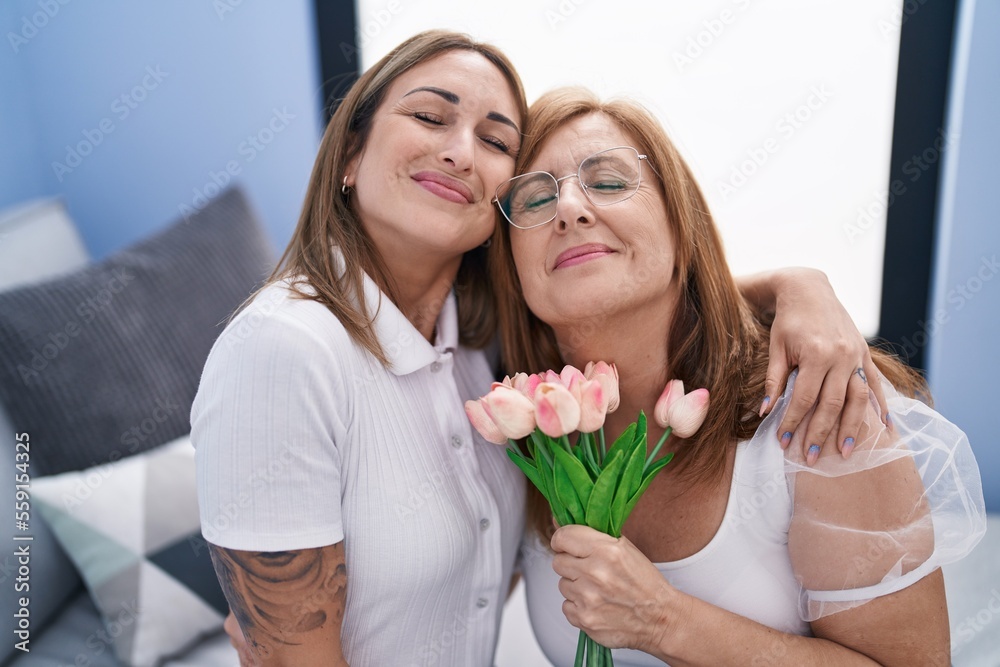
483	423
593	406
527	384
686	415
571	376
556	410
511	411
607	375
671	393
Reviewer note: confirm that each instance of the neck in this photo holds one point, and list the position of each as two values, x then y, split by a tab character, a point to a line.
637	345
422	286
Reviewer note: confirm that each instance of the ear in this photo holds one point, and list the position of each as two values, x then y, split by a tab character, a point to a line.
352	167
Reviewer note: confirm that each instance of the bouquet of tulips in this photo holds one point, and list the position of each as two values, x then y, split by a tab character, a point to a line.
585	483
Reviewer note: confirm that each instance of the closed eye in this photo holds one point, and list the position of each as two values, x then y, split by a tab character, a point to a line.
500	144
427	118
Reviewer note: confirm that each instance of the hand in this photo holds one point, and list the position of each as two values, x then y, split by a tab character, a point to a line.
612	591
239	642
813	331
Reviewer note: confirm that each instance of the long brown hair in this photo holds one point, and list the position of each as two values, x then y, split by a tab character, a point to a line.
328	220
716	339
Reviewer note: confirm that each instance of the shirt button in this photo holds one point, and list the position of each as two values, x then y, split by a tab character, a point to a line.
482	602
456	441
484	524
435	367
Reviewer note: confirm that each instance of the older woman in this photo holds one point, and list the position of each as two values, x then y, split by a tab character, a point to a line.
353	515
737	553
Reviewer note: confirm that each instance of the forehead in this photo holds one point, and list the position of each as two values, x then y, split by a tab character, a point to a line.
577	139
477	82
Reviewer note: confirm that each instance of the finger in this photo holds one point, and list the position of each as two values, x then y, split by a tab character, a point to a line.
875	385
777	376
858	403
577	540
807	387
829	405
566	566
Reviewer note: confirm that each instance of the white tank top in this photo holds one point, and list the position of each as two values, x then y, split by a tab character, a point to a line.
744	569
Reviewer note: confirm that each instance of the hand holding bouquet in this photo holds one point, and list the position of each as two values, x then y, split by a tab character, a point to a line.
584	483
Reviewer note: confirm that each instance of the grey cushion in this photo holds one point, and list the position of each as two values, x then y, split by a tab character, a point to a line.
105	362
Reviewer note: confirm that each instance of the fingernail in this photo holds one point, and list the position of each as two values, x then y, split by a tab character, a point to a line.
847	448
785	439
812	455
763	406
888	420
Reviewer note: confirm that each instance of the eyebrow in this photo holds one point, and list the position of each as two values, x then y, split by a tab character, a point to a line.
454	99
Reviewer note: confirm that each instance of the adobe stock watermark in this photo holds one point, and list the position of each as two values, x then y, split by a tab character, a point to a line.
248	150
33	24
224	7
914	168
121	107
891	26
970	626
957	298
369	27
709	33
59	340
561	13
786	127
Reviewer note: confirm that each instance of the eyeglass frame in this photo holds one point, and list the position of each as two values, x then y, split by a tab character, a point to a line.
640	157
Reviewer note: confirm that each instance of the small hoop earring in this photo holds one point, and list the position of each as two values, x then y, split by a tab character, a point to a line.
344	189
487	243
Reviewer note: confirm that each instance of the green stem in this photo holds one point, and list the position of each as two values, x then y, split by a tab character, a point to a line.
516	447
604	447
565	443
656	450
581	649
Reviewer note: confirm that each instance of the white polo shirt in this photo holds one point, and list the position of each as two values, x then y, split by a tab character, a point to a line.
303	439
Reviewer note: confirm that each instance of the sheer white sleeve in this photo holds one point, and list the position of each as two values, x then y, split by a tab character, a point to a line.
907	501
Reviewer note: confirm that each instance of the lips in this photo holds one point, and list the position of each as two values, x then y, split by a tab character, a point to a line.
444	187
581	254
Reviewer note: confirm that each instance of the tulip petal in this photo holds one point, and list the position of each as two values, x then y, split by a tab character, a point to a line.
671	394
482	422
687	414
512	412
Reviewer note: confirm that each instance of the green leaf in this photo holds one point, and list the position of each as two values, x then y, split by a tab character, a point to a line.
624	441
529	470
629	484
564	489
647	479
577	475
599	505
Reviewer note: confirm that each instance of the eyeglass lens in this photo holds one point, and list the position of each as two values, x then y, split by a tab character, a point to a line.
607	177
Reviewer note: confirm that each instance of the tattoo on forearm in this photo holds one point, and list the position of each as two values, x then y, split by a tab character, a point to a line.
276	596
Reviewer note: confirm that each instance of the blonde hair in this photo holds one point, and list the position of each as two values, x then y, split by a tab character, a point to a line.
328	220
716	339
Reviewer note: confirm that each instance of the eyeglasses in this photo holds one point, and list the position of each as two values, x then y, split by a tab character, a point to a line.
607	177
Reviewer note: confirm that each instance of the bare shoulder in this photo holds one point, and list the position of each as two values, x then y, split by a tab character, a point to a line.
289	604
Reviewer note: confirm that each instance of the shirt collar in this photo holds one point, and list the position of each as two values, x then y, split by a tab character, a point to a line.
405	347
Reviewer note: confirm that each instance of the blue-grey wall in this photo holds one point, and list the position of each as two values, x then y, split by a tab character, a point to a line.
133	111
963	326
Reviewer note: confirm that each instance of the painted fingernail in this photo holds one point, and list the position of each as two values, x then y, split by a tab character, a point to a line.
785	439
847	448
888	420
812	455
763	406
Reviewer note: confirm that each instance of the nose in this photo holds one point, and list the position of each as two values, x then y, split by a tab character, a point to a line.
573	206
459	151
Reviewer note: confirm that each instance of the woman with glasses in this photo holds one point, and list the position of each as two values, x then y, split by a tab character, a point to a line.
352	513
739	552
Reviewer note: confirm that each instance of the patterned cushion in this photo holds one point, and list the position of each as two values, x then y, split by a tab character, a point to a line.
104	363
131	528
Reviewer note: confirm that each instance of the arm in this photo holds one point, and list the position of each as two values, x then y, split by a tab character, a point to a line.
289	604
813	331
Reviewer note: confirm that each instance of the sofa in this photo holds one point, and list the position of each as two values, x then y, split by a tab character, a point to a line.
99	362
